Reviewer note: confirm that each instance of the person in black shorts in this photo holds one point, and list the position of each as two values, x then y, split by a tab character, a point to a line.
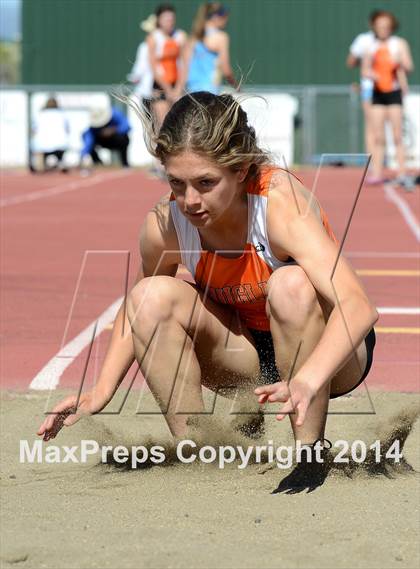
387	62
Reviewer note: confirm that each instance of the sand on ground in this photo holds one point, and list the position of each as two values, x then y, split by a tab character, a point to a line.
197	515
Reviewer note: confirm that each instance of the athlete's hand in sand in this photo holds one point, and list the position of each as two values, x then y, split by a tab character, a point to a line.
66	414
296	395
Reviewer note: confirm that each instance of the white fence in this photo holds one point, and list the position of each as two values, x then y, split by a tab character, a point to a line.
297	124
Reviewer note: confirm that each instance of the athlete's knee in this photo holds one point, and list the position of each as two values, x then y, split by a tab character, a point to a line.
291	295
151	300
379	138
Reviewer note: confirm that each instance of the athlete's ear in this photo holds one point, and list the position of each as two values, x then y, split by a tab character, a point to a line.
243	173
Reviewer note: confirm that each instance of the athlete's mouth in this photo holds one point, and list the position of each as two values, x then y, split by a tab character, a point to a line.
197	214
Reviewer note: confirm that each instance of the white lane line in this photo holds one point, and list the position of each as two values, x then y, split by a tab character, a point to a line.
50	374
381	254
405	210
62	188
408	310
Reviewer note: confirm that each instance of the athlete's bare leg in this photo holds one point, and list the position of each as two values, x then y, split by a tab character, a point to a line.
190	341
378	117
160	110
369	132
395	116
298	315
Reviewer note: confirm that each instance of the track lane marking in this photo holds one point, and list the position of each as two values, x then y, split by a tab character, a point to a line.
396	330
388	272
409	217
49	376
61	189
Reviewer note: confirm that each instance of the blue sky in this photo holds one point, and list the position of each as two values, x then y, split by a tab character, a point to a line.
10	19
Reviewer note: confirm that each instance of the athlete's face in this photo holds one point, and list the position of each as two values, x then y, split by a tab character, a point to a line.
382	27
203	190
167	21
220	21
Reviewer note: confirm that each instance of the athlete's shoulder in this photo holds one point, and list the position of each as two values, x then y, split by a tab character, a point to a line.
399	41
180	36
271	178
158	235
360	43
158	226
288	196
217	39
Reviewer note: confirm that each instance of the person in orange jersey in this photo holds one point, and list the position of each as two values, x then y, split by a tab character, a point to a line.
262	317
167	58
386	62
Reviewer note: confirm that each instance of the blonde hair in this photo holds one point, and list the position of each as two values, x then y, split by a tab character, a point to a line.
215	126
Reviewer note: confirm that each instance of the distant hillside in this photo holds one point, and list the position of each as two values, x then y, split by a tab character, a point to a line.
10	56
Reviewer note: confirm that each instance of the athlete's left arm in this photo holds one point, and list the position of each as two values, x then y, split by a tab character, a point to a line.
405	59
302	235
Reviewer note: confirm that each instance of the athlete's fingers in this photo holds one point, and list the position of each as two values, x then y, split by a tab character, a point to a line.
71	419
262	398
67	403
42	427
47	424
58	424
287	409
301	409
266	389
282	394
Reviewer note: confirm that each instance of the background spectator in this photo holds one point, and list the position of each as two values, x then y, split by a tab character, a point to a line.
166	51
50	132
109	129
208	51
386	63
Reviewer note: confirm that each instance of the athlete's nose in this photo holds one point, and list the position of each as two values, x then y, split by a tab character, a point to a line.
192	200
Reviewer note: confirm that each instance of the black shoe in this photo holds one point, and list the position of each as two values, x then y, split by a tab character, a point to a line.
308	474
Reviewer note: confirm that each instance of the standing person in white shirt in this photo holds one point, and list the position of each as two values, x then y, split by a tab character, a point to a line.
50	132
359	46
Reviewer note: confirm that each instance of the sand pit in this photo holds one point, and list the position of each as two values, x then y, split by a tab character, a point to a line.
174	515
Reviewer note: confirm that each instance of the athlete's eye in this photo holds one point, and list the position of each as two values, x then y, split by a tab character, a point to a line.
208	182
175	183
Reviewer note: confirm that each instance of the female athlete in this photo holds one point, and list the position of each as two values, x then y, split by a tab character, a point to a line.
166	45
387	61
274	309
207	52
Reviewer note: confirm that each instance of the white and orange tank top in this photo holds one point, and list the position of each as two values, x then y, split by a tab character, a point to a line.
384	57
241	281
168	49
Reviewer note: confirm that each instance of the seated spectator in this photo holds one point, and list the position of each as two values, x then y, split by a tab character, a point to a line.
50	131
109	128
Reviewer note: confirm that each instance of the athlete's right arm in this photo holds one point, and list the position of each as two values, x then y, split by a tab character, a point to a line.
352	61
224	59
366	67
157	236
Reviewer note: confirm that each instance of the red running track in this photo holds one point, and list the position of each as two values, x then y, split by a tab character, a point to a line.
59	232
